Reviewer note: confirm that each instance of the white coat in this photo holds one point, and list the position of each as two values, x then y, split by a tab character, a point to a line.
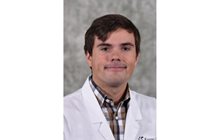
84	120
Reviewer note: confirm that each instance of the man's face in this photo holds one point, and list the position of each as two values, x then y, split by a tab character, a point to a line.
113	60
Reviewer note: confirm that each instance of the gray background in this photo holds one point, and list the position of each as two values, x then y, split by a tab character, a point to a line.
78	16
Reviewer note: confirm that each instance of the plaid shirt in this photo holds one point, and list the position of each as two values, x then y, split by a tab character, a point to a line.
115	115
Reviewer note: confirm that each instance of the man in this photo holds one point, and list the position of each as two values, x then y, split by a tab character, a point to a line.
105	108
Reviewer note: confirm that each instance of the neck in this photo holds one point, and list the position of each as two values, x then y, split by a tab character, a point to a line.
115	93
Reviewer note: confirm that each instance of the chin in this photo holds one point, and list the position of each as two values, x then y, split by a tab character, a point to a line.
115	82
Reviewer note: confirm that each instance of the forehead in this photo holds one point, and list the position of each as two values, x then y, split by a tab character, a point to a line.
118	36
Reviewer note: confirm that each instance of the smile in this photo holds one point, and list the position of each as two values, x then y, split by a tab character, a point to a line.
115	68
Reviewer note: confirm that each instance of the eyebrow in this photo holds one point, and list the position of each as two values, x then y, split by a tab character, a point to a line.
127	44
104	44
123	44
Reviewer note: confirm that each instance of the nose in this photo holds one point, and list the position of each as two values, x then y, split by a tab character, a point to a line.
115	55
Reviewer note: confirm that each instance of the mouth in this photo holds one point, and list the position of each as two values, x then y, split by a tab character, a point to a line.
115	67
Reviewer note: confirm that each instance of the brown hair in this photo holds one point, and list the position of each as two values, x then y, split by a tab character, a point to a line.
108	23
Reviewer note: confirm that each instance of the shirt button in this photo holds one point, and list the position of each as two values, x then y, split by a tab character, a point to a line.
107	100
116	117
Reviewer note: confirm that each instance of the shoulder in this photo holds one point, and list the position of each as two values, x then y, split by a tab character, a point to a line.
71	98
144	100
72	95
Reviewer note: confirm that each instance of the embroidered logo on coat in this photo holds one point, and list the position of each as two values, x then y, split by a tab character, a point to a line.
143	138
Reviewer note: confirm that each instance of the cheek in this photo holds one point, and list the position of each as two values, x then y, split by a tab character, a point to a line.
98	62
132	64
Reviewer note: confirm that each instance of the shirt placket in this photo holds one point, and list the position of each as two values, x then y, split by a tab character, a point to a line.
114	115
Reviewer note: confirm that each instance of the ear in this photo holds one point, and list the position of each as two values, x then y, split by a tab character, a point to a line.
89	59
137	59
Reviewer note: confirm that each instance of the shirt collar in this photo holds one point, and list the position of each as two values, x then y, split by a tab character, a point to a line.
101	96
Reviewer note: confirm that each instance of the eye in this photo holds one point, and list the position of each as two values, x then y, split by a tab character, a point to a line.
126	48
105	49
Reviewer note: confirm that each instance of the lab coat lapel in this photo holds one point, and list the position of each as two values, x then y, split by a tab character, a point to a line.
133	116
98	120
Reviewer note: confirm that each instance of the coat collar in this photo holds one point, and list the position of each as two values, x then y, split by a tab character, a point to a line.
97	118
135	110
132	119
93	108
